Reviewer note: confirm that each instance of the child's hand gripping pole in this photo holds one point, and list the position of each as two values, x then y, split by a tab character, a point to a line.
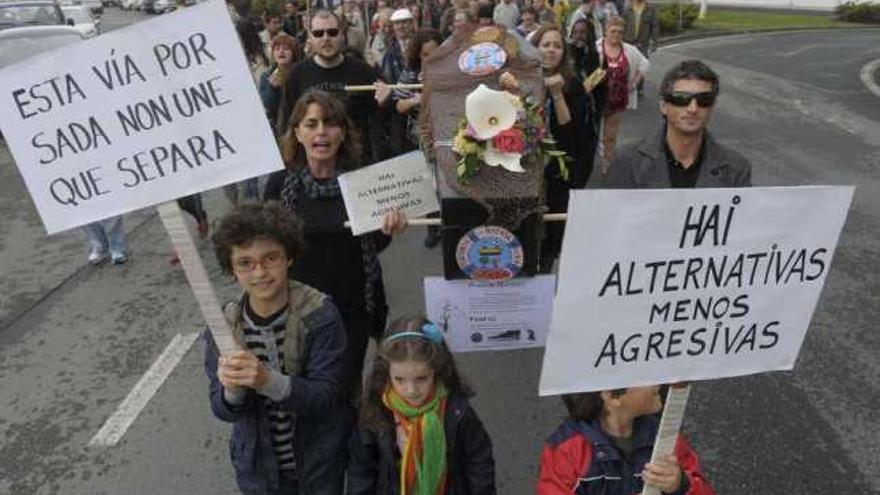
670	424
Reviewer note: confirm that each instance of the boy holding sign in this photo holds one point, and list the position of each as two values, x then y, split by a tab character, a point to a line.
281	394
605	445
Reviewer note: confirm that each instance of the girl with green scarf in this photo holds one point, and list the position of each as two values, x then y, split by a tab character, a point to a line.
417	433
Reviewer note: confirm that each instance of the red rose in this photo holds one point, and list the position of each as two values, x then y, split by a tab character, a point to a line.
509	141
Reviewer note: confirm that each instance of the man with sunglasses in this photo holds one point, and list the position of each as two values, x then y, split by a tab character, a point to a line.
330	69
683	154
281	393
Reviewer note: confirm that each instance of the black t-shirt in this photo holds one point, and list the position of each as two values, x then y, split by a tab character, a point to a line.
332	261
307	75
679	176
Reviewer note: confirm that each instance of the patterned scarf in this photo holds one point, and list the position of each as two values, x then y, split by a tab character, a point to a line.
301	183
423	466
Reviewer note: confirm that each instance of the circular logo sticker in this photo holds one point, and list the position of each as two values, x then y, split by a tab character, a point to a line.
482	59
489	253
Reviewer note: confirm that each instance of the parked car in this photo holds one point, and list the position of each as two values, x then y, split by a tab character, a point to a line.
23	42
82	18
161	6
30	13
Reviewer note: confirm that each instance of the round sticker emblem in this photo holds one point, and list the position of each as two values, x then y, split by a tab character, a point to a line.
489	253
482	59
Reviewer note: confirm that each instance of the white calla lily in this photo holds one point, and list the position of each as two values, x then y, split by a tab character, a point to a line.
509	161
489	111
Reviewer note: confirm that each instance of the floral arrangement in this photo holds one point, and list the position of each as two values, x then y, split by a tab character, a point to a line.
500	128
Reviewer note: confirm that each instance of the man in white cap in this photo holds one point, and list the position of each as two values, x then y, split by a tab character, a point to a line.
395	58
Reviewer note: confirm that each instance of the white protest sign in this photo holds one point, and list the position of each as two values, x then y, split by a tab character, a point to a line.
403	183
487	316
662	286
161	109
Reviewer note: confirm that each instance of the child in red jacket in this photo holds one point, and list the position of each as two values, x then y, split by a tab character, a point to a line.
605	445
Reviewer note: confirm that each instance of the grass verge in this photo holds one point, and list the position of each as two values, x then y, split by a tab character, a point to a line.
718	19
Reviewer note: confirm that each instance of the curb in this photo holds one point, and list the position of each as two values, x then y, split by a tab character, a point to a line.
683	38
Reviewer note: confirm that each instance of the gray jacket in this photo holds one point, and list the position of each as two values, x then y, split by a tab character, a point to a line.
643	166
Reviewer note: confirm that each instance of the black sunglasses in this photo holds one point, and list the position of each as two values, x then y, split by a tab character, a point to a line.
684	98
319	33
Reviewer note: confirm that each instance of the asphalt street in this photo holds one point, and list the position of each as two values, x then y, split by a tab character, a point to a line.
74	339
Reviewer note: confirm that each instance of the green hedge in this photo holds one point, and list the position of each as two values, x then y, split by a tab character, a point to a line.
868	12
669	16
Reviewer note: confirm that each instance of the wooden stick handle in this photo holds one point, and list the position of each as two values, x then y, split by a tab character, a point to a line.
372	87
197	276
670	424
431	222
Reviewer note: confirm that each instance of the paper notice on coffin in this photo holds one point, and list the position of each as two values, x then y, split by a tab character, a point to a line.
488	316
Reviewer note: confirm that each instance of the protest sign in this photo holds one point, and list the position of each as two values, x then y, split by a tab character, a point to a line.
486	316
161	109
403	183
661	286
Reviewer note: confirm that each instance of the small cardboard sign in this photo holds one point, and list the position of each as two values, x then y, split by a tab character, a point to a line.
662	286
489	316
159	110
402	183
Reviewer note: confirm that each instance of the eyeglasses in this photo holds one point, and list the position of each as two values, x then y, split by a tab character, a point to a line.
684	98
319	33
247	265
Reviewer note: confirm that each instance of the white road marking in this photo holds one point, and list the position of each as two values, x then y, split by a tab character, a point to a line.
117	424
868	76
798	51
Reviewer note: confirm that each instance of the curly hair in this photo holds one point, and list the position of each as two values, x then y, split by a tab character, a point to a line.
249	222
566	65
373	411
414	50
333	112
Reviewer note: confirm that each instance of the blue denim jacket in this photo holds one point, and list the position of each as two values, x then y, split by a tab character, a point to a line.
323	420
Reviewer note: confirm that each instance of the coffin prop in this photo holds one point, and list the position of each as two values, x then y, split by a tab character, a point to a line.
491	199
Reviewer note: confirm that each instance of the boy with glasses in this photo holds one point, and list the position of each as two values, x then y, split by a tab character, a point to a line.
290	426
683	154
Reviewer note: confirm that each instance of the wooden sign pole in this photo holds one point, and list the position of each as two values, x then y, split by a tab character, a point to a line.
670	425
197	276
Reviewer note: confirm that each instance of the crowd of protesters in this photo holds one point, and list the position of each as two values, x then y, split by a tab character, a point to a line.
305	421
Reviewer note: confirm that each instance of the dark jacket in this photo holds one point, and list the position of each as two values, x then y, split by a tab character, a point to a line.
314	343
643	166
374	461
649	28
580	458
570	138
271	98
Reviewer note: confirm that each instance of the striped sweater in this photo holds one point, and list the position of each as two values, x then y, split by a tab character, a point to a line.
264	337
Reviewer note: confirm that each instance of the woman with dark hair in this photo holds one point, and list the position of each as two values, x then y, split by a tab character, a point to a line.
565	110
249	35
321	143
586	58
